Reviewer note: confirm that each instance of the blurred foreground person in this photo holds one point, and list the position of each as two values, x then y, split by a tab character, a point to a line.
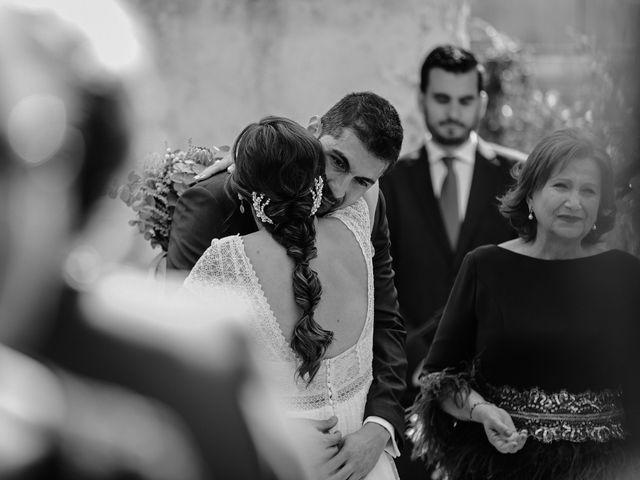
307	280
76	401
532	371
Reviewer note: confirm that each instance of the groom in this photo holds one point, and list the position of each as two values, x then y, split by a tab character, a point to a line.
360	133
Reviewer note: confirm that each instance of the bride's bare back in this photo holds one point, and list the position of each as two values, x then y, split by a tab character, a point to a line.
341	269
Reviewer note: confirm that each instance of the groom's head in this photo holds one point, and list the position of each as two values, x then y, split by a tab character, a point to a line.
361	136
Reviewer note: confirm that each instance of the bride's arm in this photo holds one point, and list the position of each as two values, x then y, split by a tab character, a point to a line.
371	197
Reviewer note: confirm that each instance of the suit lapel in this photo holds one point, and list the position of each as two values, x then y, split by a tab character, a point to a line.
420	181
481	196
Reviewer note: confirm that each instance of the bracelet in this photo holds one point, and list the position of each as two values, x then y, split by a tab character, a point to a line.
475	405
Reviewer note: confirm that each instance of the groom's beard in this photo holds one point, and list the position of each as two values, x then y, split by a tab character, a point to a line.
329	203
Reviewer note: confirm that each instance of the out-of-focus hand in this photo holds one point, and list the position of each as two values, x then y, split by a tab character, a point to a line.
359	453
325	441
319	445
217	166
499	428
32	408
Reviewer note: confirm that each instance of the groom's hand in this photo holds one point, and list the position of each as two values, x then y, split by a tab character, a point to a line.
359	453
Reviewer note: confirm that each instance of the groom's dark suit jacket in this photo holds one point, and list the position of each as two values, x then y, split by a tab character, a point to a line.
207	210
424	263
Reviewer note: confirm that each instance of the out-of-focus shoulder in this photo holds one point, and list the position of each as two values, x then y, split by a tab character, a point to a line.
509	153
414	155
408	159
499	153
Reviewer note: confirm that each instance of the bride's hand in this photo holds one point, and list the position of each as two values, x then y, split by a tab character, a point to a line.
499	428
218	166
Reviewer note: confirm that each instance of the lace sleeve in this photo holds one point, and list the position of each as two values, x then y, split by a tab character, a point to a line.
214	269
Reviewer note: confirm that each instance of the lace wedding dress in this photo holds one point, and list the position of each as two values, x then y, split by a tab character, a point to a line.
341	385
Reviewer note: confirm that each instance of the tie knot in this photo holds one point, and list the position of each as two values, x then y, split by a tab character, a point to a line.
448	161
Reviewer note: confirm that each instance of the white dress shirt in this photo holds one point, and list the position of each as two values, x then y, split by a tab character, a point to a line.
463	165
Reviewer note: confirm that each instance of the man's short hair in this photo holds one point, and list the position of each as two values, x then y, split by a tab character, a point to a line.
451	59
372	119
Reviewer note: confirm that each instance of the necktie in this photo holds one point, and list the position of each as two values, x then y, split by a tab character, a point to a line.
449	202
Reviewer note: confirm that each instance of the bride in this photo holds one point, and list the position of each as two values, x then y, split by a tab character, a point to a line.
307	279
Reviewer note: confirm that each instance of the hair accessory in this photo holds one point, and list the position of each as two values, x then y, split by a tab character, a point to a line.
258	206
241	203
316	194
530	216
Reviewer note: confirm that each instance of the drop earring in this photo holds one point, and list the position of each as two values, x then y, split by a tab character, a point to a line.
241	204
594	228
530	216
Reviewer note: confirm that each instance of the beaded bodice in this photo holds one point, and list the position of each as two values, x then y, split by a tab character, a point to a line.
342	380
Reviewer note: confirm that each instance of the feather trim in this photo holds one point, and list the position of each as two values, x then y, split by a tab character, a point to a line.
460	450
430	428
471	457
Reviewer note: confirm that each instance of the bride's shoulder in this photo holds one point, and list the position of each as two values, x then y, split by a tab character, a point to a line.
225	241
371	197
220	246
260	244
363	209
213	263
355	217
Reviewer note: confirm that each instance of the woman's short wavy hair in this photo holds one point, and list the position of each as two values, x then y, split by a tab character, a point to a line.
552	152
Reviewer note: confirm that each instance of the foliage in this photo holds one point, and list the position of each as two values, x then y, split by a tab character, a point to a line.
153	192
605	102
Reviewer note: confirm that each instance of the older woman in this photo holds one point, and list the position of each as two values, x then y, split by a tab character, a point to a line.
534	362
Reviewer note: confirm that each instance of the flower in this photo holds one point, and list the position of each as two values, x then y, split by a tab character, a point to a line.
153	192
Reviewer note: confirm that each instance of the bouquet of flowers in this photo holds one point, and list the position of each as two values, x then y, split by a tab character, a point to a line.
153	192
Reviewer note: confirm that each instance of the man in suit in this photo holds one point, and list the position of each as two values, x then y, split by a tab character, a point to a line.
362	136
441	201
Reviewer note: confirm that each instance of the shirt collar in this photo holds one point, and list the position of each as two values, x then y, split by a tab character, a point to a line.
465	152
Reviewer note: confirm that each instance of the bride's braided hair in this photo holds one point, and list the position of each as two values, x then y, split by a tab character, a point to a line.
279	159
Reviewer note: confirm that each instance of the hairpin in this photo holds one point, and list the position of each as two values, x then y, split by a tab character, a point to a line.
258	206
316	194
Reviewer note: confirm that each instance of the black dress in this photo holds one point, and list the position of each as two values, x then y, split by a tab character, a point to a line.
553	342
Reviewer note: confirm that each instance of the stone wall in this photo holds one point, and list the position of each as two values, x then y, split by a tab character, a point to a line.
226	63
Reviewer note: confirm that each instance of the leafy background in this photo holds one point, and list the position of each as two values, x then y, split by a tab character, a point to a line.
152	193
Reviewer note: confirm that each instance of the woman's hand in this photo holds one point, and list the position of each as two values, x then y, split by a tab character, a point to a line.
225	163
499	428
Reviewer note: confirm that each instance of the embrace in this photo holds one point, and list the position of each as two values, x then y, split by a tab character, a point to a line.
312	262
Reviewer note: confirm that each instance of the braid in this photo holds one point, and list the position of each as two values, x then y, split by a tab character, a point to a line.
278	159
309	340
